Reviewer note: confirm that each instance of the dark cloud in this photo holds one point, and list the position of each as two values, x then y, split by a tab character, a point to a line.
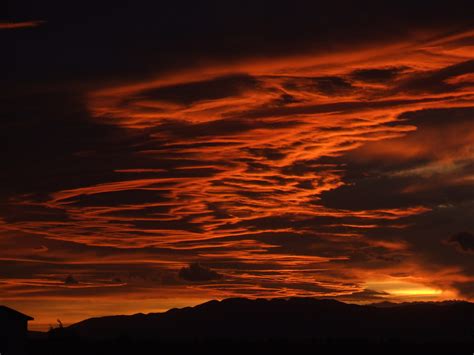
70	280
428	165
17	212
332	85
466	288
268	153
376	75
225	127
202	90
438	117
329	85
196	272
436	81
365	295
109	198
340	106
392	191
463	240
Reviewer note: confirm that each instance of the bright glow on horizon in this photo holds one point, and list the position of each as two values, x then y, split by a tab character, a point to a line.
404	289
417	292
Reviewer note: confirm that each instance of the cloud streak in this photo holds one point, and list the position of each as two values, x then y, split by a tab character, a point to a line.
337	173
18	25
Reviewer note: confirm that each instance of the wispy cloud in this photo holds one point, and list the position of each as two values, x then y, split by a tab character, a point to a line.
4	25
328	173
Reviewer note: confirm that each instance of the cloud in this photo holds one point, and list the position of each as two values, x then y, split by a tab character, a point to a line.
198	273
377	75
296	160
70	280
366	295
17	25
439	80
466	289
463	240
207	90
431	164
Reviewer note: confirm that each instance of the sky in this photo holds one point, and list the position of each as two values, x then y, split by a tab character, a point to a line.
158	156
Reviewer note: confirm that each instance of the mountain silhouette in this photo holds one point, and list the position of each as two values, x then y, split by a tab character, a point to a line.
294	319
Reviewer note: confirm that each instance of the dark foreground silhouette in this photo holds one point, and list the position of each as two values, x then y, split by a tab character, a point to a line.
264	326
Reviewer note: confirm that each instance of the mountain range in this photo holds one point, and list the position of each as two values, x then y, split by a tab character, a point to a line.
293	319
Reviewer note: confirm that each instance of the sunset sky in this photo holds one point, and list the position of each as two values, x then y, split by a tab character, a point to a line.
161	156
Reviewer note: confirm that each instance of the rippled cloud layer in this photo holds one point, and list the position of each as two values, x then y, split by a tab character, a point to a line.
346	173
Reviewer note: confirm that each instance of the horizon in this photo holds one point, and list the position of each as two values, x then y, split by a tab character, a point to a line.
158	156
34	326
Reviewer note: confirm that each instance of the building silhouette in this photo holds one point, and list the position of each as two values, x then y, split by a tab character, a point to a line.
13	331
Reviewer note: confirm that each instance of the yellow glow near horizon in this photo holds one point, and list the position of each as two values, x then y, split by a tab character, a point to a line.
422	291
399	288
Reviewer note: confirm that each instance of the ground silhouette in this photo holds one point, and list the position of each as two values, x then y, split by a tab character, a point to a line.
242	325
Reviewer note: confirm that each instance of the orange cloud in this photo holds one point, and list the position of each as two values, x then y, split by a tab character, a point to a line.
258	170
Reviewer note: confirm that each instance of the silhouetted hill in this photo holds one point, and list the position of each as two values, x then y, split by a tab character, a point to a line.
34	334
295	319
